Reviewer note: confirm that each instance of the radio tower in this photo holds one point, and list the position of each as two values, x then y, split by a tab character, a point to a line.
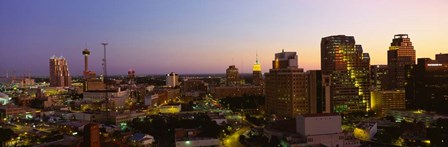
105	79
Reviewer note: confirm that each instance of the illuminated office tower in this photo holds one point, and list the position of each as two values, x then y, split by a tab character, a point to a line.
286	87
400	53
59	75
384	100
232	76
257	77
348	68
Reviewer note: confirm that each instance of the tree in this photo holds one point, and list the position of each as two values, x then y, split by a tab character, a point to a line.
390	118
5	135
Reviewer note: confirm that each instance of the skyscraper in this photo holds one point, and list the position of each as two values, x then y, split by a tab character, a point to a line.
232	75
286	93
348	68
378	77
400	53
257	77
172	79
427	86
318	95
59	75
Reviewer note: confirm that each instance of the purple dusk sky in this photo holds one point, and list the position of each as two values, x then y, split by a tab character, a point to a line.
203	36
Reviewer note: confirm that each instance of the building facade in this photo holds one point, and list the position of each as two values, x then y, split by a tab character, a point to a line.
400	53
232	76
172	79
286	87
59	74
348	68
384	100
427	86
257	77
378	76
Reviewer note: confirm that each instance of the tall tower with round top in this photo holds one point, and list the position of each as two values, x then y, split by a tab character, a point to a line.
86	54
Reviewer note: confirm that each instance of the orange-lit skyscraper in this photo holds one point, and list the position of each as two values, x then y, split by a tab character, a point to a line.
59	75
348	68
400	53
286	87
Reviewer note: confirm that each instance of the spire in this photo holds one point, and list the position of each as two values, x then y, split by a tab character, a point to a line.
256	57
257	66
53	57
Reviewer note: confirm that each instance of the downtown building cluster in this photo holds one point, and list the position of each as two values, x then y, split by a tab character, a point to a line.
299	107
347	82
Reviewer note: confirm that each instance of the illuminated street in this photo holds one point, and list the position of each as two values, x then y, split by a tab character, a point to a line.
233	139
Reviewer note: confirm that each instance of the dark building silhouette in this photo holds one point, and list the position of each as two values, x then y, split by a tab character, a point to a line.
427	84
348	68
319	97
91	135
400	53
378	77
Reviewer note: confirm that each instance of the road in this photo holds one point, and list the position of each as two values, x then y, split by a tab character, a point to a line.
233	139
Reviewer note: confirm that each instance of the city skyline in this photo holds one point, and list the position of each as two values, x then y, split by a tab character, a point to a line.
152	38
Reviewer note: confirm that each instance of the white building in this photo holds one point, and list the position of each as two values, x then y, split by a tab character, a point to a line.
172	79
140	139
323	129
4	99
151	99
365	130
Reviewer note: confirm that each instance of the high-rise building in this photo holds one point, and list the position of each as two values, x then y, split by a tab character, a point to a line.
59	75
426	84
442	58
232	76
257	77
286	87
319	97
384	100
378	76
172	79
348	68
400	53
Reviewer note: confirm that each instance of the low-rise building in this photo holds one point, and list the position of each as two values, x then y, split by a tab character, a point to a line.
13	111
236	91
189	138
365	130
171	108
4	99
140	139
312	130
